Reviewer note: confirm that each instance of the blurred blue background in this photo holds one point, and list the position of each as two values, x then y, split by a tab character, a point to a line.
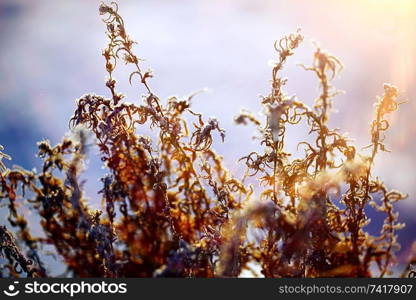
50	55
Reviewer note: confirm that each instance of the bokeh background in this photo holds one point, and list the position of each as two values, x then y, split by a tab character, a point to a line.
50	55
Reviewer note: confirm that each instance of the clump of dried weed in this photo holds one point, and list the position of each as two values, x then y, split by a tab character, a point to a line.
170	207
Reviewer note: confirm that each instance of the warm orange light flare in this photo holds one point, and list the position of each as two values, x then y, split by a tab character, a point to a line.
397	21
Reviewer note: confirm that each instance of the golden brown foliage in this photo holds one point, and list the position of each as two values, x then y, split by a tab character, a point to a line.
170	207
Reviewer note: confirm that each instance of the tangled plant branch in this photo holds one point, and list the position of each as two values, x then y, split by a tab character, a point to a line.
171	208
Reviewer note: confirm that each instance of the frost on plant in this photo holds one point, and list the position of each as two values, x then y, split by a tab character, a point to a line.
171	208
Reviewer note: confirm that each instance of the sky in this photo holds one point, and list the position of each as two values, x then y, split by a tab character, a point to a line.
50	55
